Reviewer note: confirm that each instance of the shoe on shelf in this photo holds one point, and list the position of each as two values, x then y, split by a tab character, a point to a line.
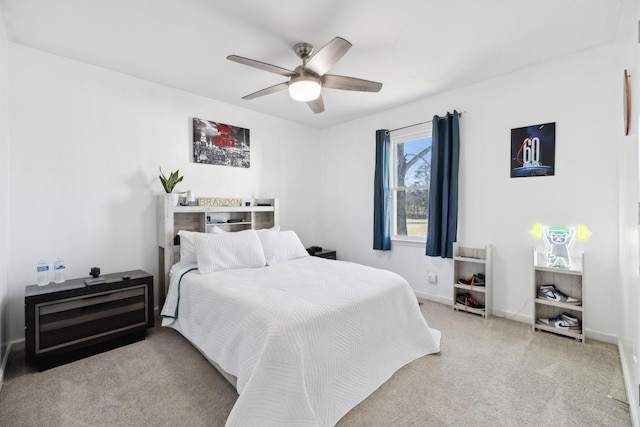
564	321
549	292
468	301
475	280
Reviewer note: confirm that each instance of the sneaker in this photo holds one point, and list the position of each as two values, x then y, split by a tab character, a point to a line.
564	321
468	301
475	280
549	292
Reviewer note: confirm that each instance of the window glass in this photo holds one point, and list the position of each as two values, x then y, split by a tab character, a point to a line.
411	169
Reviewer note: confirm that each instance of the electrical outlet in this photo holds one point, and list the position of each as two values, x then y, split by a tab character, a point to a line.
432	277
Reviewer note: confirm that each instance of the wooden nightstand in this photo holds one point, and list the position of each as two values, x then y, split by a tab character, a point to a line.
326	253
68	321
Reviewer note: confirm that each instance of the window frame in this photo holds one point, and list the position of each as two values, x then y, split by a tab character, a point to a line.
406	134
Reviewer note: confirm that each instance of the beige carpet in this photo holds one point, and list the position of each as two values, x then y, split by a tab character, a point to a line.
492	372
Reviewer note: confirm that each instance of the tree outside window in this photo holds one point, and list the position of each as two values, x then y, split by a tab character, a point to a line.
411	165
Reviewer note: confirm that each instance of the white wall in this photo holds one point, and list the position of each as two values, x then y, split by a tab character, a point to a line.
581	94
629	211
4	201
85	148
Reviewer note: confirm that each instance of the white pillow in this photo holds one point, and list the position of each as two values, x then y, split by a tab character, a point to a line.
227	251
187	247
281	246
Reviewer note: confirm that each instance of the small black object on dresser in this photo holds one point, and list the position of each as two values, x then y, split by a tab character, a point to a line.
68	321
326	253
313	249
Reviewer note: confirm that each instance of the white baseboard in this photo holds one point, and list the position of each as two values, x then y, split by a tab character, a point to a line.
495	312
600	336
433	297
630	387
3	365
18	345
519	317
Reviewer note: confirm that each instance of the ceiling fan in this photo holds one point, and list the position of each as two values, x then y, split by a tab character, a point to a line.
307	80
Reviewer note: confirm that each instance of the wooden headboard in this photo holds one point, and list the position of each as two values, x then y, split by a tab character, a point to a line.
228	214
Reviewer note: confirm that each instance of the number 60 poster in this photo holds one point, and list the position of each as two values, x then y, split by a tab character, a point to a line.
533	150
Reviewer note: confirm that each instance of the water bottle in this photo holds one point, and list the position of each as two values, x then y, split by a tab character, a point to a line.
43	273
58	270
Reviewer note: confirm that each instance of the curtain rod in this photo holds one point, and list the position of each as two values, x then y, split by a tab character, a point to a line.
422	123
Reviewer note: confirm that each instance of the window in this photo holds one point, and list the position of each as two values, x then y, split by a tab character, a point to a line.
410	172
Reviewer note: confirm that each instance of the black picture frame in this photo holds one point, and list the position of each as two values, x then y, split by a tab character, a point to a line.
217	143
533	150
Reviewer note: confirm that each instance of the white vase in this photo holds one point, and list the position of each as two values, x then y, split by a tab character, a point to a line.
172	199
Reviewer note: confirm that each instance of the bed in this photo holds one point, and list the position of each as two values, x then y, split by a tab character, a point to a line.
303	339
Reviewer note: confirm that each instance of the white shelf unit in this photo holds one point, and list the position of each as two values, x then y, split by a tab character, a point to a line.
468	261
172	219
570	282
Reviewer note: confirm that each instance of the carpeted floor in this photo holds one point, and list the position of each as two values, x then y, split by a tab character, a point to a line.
494	372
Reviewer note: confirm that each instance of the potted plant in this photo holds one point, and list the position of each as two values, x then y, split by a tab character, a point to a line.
169	184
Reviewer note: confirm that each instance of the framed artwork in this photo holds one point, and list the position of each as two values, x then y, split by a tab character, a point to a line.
533	150
220	144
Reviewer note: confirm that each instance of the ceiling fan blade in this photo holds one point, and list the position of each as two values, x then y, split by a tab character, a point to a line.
324	59
317	105
261	65
267	91
349	83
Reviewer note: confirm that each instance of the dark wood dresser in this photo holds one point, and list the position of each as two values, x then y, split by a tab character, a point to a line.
68	321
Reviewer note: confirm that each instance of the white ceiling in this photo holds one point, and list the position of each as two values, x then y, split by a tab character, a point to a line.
416	48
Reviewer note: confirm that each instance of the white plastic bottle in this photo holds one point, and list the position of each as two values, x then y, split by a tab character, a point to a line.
58	271
43	273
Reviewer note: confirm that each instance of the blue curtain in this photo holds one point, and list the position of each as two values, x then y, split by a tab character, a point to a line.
443	190
381	219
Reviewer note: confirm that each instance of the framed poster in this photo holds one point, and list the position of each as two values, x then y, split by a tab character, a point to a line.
220	144
533	150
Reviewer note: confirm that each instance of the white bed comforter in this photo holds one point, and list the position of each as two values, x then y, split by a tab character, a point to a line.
307	339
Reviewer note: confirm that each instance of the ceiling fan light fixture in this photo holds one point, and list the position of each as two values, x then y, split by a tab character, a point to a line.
304	88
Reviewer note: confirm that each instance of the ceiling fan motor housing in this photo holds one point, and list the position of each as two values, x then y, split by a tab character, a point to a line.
303	50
